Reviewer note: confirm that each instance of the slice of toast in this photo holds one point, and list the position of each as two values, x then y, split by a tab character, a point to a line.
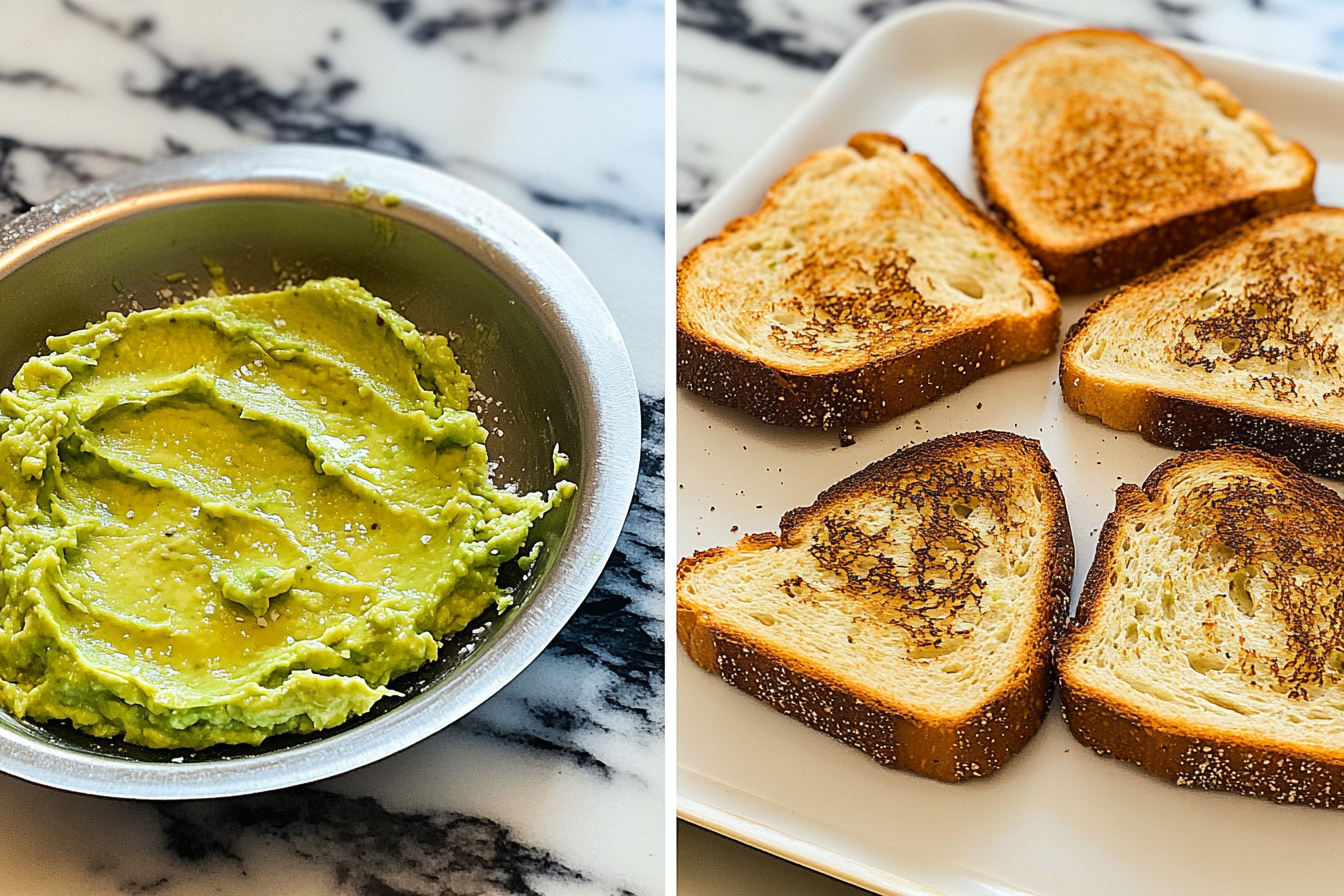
1208	647
1236	343
910	611
865	286
1107	154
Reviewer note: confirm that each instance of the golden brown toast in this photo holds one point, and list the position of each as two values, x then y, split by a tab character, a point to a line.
909	611
865	285
1236	343
1208	647
1107	154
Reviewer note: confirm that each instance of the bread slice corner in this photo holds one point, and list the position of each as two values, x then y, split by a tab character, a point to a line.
1238	342
864	286
1208	646
1107	154
910	611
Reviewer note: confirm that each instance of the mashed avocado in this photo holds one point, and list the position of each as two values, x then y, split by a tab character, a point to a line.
241	516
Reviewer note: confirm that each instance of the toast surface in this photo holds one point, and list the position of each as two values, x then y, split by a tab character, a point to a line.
910	611
1208	647
864	286
1107	154
1238	342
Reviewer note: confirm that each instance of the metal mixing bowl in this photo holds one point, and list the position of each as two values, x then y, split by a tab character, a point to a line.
528	327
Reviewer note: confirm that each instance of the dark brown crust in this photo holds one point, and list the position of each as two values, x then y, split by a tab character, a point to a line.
1182	423
874	392
1186	422
950	749
1117	260
1121	259
1191	757
881	388
1202	762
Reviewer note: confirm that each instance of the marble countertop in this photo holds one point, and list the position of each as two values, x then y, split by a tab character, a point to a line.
555	785
744	65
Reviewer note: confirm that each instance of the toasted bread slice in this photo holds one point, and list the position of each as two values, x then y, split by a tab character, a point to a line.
1208	647
1107	154
1237	343
866	285
909	611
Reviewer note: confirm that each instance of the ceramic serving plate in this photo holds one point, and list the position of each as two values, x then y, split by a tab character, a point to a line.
527	326
1057	820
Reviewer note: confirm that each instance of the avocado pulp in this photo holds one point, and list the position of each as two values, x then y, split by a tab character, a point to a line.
241	516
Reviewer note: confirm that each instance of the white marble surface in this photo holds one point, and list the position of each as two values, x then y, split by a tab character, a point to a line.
555	785
744	65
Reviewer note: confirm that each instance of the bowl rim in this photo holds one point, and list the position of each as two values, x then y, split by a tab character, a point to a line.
571	315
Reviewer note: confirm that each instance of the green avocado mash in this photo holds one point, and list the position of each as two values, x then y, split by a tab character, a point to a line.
241	516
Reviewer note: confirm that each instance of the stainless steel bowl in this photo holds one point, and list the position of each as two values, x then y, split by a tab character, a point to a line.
530	330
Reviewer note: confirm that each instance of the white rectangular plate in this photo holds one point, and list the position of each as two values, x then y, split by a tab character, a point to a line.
1057	819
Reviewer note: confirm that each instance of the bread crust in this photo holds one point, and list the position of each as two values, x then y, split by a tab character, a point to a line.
1190	754
947	748
1184	421
1207	763
882	387
868	394
1095	264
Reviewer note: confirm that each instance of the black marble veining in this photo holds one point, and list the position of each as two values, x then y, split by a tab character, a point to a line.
729	20
305	113
493	15
306	110
33	77
617	633
616	626
362	847
651	221
65	167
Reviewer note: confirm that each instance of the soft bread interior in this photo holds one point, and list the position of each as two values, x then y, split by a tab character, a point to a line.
1219	611
855	256
1090	136
924	595
1256	324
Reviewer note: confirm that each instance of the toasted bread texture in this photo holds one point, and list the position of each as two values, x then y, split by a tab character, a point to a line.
865	286
1208	647
910	611
1107	154
1237	343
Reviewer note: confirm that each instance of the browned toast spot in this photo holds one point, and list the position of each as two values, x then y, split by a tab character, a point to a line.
1250	529
1238	342
1093	162
868	303
1261	322
925	585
